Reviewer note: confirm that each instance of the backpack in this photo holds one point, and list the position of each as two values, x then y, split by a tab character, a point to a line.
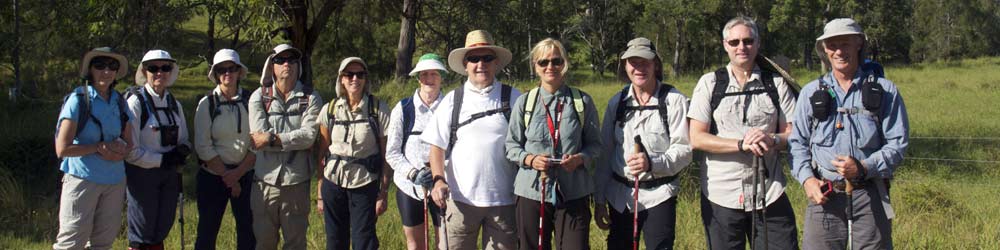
409	117
722	83
214	103
144	96
267	96
376	161
86	114
531	101
456	109
623	111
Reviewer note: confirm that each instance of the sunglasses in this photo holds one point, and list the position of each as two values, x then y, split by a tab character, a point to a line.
484	58
349	75
556	62
736	42
230	69
102	65
283	60
155	69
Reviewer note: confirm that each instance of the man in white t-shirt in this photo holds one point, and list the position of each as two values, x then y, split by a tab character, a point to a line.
469	129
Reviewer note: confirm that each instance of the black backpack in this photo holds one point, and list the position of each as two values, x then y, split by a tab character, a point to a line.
214	103
623	112
86	114
456	109
144	96
722	83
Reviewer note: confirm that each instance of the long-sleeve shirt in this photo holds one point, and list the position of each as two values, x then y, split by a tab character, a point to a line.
148	151
576	135
877	140
353	141
226	136
417	150
291	162
668	153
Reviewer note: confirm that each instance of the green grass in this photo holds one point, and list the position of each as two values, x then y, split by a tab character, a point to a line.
940	205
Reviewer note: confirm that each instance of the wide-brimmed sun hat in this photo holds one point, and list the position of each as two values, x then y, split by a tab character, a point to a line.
103	52
840	27
429	61
156	55
341	91
226	55
267	74
477	39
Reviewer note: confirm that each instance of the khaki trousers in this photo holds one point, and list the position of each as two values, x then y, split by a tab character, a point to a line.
277	208
89	212
464	221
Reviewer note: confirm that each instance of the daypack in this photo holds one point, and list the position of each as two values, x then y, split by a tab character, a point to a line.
267	96
529	104
83	105
409	117
722	83
623	111
376	160
144	96
456	109
824	105
214	102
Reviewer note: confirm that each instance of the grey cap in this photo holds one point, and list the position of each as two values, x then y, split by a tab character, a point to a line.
640	47
840	27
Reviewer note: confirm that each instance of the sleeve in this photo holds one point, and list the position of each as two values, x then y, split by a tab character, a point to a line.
798	141
394	143
303	137
786	98
70	109
437	132
592	143
140	156
678	155
602	169
258	119
383	117
203	131
184	133
515	134
895	129
701	98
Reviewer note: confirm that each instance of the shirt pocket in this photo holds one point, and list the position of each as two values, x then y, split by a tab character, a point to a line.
537	138
656	142
868	132
823	133
762	115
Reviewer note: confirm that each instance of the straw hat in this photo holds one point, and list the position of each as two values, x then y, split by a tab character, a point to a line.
226	55
477	39
107	52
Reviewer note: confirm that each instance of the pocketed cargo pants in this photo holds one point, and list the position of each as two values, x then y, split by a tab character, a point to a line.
826	225
89	212
152	203
284	208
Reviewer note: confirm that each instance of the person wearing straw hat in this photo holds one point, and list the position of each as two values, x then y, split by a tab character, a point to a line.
740	113
353	186
283	113
850	131
473	180
161	148
645	148
93	137
407	154
222	141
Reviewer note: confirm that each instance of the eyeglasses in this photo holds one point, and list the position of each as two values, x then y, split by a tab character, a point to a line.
736	42
484	58
155	69
230	69
102	65
349	75
556	62
282	60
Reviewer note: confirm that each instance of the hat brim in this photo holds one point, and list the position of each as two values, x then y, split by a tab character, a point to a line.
845	33
427	65
647	54
90	55
456	59
211	71
140	73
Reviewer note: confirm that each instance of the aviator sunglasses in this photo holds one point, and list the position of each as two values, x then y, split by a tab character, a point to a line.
556	62
736	42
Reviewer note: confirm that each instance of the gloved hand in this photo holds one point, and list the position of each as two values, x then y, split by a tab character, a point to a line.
421	177
175	157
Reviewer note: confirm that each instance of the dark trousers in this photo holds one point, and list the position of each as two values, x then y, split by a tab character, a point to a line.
349	215
152	203
570	221
659	231
213	196
727	228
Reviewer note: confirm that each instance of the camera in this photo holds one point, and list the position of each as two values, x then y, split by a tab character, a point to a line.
169	135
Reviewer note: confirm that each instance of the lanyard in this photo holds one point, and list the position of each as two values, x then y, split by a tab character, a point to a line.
554	126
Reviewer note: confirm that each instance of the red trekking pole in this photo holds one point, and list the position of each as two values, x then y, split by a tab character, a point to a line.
635	198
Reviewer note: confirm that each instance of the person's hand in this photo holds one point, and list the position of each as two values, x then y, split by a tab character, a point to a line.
235	190
319	206
846	166
539	162
260	139
813	191
319	197
755	141
105	152
216	166
440	194
571	162
232	177
601	216
637	164
381	204
423	178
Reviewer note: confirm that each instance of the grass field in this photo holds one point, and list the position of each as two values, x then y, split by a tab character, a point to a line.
940	204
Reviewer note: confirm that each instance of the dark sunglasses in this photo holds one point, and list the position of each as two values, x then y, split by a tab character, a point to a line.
230	69
556	62
283	60
484	58
154	69
349	75
102	65
736	42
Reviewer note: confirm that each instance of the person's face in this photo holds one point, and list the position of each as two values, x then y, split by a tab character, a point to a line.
227	73
286	65
103	70
740	45
843	52
429	79
549	67
158	72
641	71
481	66
353	78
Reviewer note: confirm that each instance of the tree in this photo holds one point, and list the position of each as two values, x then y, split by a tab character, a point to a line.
407	38
301	32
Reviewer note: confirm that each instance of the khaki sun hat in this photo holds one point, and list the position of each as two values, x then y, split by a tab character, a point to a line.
477	39
840	27
226	55
341	91
105	52
267	75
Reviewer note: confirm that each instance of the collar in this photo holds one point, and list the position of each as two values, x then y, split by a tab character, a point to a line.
417	99
149	89
562	90
652	100
239	90
483	91
754	75
342	104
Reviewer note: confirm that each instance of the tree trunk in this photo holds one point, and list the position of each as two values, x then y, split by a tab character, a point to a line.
303	34
677	47
407	39
210	33
16	56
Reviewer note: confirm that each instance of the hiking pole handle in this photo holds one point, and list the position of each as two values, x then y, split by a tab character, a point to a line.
635	198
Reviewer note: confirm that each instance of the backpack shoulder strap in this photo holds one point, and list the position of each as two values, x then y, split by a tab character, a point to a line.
331	113
139	92
529	106
620	109
578	104
456	109
661	95
266	96
83	105
122	110
213	105
408	119
245	98
373	121
307	91
505	100
718	92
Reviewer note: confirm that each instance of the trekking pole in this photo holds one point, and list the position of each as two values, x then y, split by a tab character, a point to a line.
753	197
180	205
762	165
541	211
850	211
427	235
444	227
635	199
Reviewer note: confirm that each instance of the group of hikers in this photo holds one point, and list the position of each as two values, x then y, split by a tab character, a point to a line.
488	165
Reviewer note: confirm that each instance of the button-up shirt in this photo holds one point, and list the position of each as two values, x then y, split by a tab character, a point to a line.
354	141
727	178
668	152
575	136
417	150
92	167
291	162
226	136
148	151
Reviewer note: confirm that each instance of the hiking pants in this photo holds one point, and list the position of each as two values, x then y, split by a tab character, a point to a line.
727	228
657	225
826	225
464	222
570	221
349	216
213	196
89	212
152	203
280	208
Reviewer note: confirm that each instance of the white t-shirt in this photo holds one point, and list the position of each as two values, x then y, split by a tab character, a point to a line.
478	173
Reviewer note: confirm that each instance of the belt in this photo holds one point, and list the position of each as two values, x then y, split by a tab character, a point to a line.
841	185
647	184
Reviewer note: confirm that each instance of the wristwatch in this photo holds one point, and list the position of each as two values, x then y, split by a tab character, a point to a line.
271	139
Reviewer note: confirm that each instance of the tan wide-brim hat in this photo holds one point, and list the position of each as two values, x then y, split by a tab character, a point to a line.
156	55
267	74
840	27
477	39
99	52
226	55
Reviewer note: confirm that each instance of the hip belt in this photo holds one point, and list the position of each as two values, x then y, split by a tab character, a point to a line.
646	184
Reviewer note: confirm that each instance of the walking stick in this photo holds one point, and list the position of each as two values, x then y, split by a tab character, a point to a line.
180	205
635	199
444	227
759	167
850	212
427	240
753	197
541	211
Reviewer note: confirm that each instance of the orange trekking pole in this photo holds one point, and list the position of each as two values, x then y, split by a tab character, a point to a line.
635	198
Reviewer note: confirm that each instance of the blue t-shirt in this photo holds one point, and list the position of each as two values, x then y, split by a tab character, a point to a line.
91	167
